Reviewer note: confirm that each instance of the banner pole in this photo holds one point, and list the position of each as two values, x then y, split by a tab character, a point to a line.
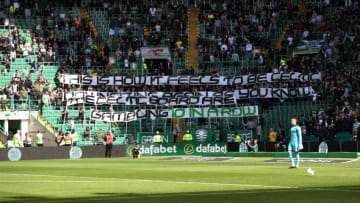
84	120
63	85
89	122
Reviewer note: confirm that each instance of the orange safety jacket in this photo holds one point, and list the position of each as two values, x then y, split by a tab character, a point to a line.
109	139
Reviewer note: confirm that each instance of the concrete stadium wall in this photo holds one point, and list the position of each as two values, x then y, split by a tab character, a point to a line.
34	153
2	137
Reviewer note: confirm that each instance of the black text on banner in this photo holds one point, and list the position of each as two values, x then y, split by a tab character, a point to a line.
188	80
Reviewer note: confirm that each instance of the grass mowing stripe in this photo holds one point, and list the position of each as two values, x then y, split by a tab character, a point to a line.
335	190
114	180
154	181
220	184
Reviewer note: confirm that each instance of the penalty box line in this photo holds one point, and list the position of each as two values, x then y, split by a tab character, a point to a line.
115	180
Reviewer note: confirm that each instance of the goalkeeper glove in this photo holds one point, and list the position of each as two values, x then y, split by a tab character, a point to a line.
301	147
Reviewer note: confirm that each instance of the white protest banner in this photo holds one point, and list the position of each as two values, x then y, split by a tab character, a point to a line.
183	99
241	111
275	93
150	98
80	94
187	80
113	116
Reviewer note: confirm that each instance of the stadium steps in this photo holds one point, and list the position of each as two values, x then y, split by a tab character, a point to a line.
283	33
193	34
101	24
84	14
45	124
192	53
282	37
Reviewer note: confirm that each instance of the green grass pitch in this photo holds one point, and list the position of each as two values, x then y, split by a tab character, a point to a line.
154	180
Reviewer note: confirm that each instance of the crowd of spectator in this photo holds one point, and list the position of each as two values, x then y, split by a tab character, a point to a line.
46	46
239	30
133	25
233	31
338	61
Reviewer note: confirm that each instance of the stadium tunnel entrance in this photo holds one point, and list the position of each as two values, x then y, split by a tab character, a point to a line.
158	66
11	122
156	60
14	126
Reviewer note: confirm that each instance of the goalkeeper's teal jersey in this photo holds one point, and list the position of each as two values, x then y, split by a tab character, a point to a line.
295	138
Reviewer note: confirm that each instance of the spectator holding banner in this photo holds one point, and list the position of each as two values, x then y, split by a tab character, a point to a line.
64	115
81	115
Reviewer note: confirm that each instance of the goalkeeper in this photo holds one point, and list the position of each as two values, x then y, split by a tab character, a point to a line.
295	144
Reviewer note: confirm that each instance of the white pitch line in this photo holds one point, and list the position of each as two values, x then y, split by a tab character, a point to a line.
350	161
116	180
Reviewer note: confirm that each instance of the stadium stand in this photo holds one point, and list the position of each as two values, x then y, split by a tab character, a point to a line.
215	38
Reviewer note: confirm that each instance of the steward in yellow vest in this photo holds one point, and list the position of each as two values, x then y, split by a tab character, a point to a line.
157	138
187	137
237	138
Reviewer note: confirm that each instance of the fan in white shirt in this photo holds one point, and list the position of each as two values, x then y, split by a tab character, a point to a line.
152	11
62	15
157	27
231	40
249	47
111	32
290	39
137	53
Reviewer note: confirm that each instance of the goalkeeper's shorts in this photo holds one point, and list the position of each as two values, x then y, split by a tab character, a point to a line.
293	147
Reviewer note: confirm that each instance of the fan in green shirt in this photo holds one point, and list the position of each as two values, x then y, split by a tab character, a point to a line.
45	99
28	39
23	93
